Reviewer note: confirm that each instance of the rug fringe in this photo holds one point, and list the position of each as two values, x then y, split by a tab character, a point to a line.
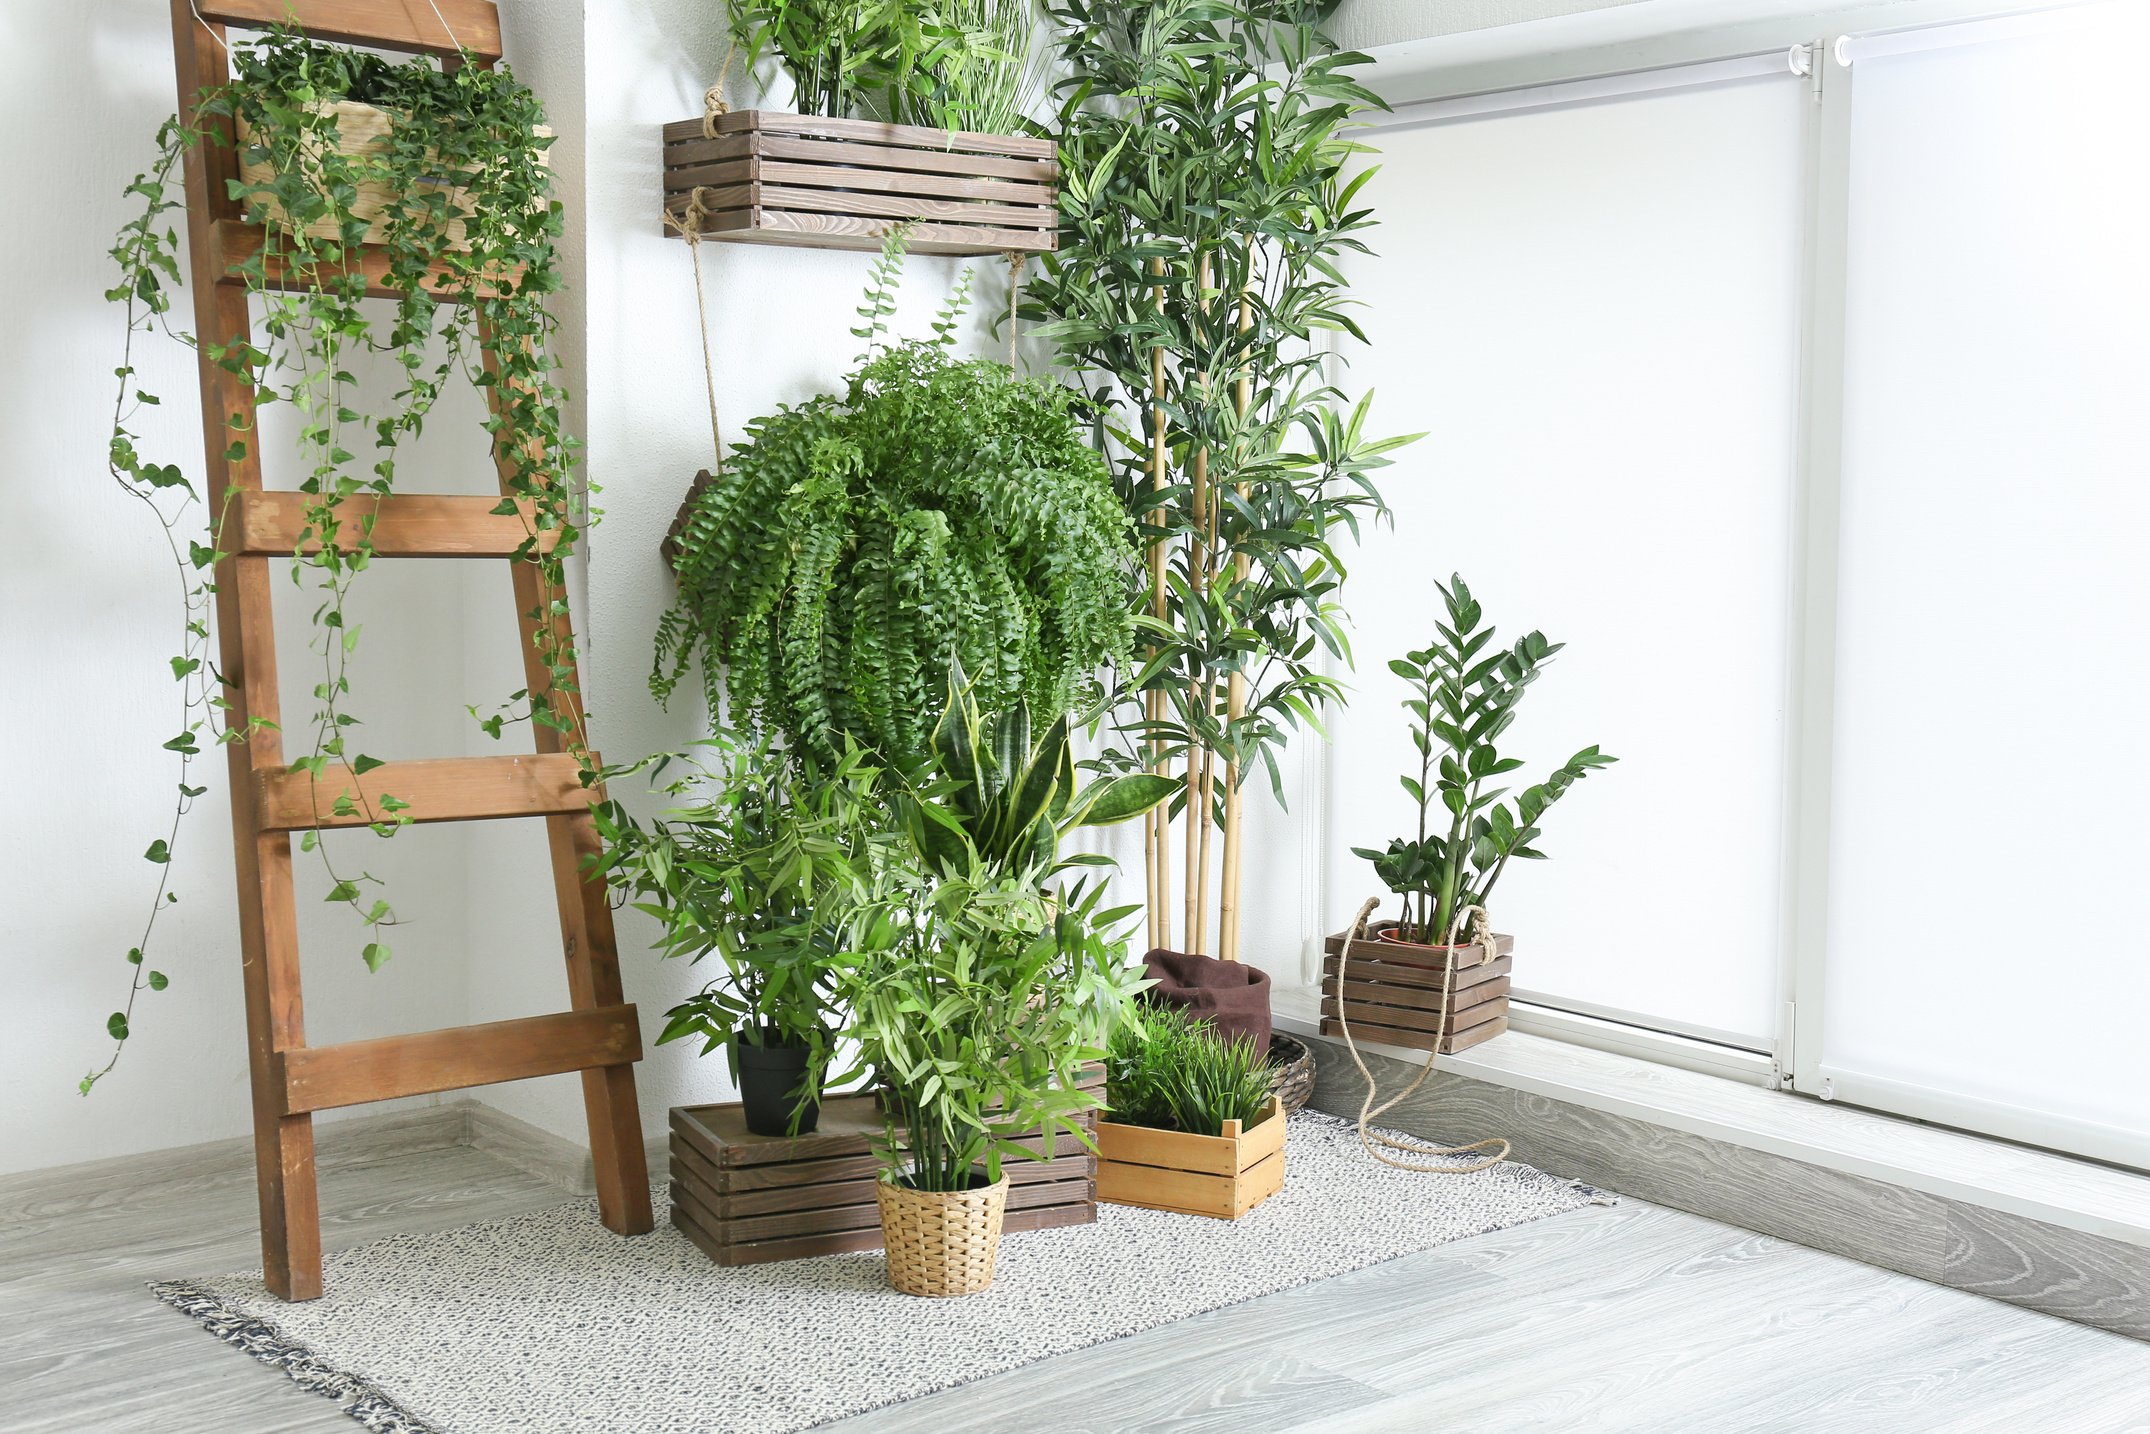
355	1395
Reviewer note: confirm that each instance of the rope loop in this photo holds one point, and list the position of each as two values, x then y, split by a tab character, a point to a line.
1377	1143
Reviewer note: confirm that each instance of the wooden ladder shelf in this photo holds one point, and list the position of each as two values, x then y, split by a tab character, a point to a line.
599	1036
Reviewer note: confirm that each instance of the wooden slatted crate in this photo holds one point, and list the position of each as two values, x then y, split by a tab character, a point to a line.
769	177
1222	1176
750	1199
1392	991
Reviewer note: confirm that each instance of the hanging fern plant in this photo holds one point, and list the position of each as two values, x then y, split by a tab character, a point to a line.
936	507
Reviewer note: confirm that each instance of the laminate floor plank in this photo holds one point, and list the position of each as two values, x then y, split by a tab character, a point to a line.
1629	1318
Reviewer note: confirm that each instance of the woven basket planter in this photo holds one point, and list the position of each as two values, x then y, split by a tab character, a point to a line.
1221	1176
769	177
1293	1061
361	129
941	1242
1392	991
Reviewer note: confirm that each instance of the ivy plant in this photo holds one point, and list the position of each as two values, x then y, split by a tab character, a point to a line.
936	511
466	248
1463	696
1204	211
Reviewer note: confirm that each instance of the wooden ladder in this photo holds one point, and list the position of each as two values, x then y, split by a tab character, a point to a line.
599	1036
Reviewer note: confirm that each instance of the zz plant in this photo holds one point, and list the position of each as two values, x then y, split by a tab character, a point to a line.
1204	211
467	250
1464	694
937	508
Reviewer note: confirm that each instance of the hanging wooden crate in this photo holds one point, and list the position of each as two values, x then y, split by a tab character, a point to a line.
361	129
750	1199
1392	990
1223	1176
769	177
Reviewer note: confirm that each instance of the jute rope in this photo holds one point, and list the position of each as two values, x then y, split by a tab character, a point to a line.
689	225
1016	258
1378	1144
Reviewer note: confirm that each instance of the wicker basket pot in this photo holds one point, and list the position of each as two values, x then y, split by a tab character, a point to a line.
362	129
941	1242
1293	1061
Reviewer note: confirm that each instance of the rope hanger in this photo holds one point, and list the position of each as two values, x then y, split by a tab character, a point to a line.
689	221
1377	1143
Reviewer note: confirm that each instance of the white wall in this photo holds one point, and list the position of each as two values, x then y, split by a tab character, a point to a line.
89	613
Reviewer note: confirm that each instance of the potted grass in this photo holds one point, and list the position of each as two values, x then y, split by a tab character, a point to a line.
1414	983
979	985
907	110
756	872
1193	1122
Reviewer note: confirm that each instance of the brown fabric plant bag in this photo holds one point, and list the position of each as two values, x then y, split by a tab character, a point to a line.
1230	994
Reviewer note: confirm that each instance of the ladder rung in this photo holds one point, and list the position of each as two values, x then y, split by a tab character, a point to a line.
436	27
238	243
359	1072
443	789
412	525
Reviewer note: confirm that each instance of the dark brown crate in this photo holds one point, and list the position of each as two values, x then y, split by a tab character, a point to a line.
769	177
1392	991
749	1199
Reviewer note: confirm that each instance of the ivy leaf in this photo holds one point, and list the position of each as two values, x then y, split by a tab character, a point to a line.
158	981
158	852
116	1025
376	955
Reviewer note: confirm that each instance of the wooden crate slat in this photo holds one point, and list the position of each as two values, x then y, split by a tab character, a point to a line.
1425	998
908	136
1417	1040
761	1252
431	27
1428	978
358	1072
1415	1019
441	789
868	158
405	525
802	181
713	177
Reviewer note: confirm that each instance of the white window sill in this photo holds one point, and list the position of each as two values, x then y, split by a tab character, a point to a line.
2074	1194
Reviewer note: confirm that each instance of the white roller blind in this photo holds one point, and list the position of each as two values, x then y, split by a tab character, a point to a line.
1991	792
1593	311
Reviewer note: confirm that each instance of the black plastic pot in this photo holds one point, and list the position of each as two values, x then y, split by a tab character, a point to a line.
769	1080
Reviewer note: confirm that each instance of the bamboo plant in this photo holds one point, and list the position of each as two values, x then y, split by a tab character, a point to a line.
1205	206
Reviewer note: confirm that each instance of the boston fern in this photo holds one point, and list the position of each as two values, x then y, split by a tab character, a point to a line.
937	508
1464	694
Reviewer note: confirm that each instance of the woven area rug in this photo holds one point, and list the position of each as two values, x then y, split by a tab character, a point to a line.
549	1322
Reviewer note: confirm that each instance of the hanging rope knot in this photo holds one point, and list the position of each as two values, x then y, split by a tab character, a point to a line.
689	223
713	107
1379	1144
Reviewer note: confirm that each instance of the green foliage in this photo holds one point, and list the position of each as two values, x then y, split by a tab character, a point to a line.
955	64
978	996
1167	1070
935	509
1464	696
473	311
760	866
1204	210
1012	801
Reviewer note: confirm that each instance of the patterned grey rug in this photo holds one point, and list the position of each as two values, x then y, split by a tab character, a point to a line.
548	1322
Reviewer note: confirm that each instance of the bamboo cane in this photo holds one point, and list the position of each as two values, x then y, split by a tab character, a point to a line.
1235	701
1157	829
1198	574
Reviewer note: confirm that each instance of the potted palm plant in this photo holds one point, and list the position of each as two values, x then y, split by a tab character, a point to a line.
757	871
1418	985
977	987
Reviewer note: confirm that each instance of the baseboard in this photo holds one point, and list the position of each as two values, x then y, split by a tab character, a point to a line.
338	1144
1947	1238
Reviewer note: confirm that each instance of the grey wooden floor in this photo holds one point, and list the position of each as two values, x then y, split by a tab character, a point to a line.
1630	1318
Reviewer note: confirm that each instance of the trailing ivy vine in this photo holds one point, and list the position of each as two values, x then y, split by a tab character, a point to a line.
936	507
465	237
1204	209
